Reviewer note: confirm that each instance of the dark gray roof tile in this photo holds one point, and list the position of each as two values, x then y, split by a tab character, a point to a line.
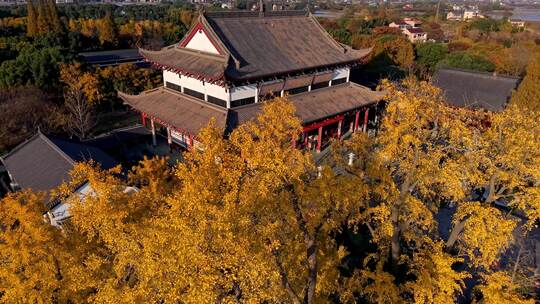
44	162
472	89
257	46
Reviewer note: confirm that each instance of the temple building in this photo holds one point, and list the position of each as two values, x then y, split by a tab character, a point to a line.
231	62
474	89
44	162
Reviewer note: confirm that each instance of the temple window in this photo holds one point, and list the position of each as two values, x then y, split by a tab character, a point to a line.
242	102
194	93
297	90
319	85
173	86
339	81
217	101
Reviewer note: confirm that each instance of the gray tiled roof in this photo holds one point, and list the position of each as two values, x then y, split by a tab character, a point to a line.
42	162
176	109
109	56
256	45
275	44
188	61
188	114
318	104
474	89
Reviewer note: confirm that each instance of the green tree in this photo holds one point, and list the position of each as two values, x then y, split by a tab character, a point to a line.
464	60
485	25
527	95
33	66
430	54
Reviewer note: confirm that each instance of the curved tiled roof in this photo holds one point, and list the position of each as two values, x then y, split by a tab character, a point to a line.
177	110
188	62
186	113
277	43
256	45
318	104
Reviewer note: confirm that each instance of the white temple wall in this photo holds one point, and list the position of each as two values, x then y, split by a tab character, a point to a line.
202	87
341	73
243	92
171	77
202	43
230	94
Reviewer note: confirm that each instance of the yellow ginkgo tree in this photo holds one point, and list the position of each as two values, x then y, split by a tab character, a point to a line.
426	156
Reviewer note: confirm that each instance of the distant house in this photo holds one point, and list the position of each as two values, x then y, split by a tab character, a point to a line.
468	14
517	23
410	27
399	25
414	23
454	16
472	89
415	35
472	14
43	163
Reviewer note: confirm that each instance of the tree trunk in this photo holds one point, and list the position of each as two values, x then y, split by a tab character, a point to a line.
312	265
514	271
454	234
396	250
311	253
396	210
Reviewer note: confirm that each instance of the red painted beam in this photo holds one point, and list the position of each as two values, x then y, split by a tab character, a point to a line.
323	123
161	122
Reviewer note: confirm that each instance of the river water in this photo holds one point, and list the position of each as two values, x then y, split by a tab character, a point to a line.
526	14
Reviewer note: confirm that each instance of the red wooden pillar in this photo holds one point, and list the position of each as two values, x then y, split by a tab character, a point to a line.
143	119
190	141
305	139
319	139
339	129
366	115
356	120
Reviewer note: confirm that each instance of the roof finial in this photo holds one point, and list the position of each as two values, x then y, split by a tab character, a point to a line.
261	8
